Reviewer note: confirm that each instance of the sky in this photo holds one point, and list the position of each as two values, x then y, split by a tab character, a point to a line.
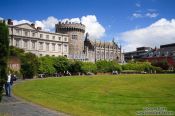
132	23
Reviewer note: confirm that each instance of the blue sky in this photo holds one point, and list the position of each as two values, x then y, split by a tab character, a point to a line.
116	16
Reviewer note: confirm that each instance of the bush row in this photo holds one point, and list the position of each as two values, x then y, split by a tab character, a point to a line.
32	65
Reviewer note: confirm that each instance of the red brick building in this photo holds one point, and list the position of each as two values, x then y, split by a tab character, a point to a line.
14	63
164	53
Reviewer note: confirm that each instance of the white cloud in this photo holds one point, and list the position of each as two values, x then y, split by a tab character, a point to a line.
144	15
137	15
1	18
16	22
48	24
152	10
138	4
158	33
93	27
151	15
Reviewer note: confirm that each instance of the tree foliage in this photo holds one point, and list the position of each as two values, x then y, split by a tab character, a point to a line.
46	65
61	64
107	66
29	65
141	66
4	53
89	67
75	66
164	65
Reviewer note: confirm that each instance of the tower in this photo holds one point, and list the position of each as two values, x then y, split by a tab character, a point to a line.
75	32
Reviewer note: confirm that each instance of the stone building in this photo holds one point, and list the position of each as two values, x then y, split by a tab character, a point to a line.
75	32
97	50
68	40
41	43
84	49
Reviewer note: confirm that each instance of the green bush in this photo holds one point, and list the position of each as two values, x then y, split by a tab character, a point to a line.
139	66
46	65
29	65
75	66
107	66
61	64
89	67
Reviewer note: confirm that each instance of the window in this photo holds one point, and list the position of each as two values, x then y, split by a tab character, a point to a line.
40	45
59	47
33	34
33	45
53	37
47	46
65	39
59	38
53	47
17	31
47	36
65	48
74	37
41	35
25	33
25	44
17	43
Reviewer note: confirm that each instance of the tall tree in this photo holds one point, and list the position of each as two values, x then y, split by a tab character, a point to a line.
4	53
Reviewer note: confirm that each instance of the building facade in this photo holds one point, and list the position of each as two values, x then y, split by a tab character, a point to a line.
75	33
68	40
164	53
138	54
97	50
41	43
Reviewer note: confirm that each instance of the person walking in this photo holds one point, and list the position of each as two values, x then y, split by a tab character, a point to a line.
8	85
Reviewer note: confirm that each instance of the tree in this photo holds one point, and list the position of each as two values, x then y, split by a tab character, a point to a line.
46	65
29	65
89	67
107	66
4	53
164	65
61	64
75	66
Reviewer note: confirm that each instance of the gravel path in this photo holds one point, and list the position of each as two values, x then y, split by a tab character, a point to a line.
13	106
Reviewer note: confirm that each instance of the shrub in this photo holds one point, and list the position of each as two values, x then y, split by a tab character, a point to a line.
75	66
61	64
107	66
29	65
89	67
46	65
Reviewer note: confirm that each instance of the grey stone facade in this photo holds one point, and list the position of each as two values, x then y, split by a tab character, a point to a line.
97	50
75	32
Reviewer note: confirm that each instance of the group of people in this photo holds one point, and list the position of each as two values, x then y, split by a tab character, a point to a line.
9	83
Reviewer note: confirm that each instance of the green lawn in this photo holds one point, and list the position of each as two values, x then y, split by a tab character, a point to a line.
121	95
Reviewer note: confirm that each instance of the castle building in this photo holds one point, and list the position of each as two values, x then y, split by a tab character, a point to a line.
75	33
84	49
68	40
95	51
41	43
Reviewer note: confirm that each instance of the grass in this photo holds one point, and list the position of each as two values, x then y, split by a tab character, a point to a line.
121	95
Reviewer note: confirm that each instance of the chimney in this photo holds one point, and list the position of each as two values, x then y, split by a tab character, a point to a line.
33	25
9	22
38	28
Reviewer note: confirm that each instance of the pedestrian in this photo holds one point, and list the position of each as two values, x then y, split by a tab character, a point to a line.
8	85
